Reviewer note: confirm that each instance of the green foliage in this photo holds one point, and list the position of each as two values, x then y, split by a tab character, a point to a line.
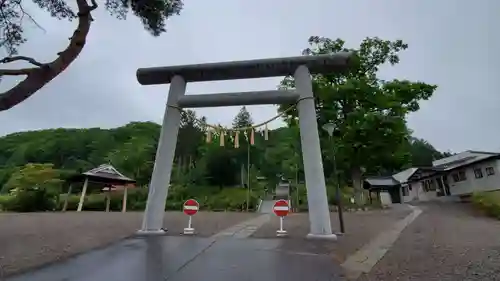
368	112
31	200
42	176
153	15
35	187
487	202
423	153
242	119
210	199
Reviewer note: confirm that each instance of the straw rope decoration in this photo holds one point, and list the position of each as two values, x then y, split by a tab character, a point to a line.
221	132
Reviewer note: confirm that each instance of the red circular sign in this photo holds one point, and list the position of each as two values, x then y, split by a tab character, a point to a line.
281	208
191	207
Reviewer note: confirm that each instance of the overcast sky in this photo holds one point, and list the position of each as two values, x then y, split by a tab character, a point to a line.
452	43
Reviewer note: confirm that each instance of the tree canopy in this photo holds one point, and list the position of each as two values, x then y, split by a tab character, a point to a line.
368	112
153	15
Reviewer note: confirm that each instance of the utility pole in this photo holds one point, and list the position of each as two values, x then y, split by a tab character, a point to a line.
330	128
248	176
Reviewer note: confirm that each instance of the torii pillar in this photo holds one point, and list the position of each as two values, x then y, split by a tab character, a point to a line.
300	67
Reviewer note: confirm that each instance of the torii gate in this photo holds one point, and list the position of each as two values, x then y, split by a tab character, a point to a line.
300	67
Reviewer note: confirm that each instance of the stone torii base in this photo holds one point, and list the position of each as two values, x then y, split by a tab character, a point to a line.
300	67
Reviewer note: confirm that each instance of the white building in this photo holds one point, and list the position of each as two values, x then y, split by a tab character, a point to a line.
455	176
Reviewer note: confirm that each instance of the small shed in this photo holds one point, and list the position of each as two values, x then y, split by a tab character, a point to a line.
107	175
386	188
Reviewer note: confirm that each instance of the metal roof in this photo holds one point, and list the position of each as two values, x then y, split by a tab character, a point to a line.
381	181
103	174
404	175
462	159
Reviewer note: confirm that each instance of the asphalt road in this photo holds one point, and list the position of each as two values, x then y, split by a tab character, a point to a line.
188	259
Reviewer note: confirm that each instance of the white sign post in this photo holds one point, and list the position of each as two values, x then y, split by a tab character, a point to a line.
281	209
191	207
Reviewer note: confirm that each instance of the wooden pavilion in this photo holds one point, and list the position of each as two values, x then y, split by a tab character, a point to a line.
105	174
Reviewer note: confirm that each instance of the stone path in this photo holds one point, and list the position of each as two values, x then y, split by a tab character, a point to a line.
447	241
361	227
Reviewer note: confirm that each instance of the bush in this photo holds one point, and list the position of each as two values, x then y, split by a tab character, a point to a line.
136	201
487	202
31	200
210	199
4	200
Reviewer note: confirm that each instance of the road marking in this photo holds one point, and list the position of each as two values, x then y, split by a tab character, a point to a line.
244	229
367	257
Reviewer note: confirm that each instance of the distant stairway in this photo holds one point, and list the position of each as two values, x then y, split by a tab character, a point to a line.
266	207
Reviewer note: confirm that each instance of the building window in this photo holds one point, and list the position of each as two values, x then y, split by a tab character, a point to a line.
490	171
460	176
478	173
429	185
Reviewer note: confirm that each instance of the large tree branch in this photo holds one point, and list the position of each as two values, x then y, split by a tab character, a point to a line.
40	76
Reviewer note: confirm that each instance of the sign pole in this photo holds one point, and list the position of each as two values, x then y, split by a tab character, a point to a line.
281	208
191	207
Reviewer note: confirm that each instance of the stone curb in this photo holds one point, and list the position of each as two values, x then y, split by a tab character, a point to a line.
367	257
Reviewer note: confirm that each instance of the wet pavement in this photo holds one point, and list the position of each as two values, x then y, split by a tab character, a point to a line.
189	258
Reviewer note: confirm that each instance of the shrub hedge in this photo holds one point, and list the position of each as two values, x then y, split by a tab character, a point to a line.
210	198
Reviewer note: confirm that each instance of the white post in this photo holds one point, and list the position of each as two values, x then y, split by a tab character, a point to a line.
189	230
281	232
160	179
319	213
124	200
65	206
82	196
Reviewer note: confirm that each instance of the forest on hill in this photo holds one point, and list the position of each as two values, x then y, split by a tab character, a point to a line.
369	115
132	148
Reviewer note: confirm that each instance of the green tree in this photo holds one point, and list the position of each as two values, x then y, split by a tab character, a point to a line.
191	137
244	153
135	158
369	112
153	14
34	175
283	155
242	119
423	153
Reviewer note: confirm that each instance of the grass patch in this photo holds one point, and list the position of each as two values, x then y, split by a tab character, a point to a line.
487	202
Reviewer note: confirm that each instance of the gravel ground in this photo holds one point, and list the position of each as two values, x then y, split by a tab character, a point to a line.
361	227
31	240
448	241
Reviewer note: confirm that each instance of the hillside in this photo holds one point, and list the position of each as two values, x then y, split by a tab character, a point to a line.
132	148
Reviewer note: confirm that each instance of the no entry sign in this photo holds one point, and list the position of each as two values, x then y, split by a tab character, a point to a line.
281	208
191	207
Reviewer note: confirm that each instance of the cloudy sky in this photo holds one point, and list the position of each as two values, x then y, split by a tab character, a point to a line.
452	44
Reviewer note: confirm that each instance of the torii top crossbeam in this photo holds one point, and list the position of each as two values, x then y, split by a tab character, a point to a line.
244	69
